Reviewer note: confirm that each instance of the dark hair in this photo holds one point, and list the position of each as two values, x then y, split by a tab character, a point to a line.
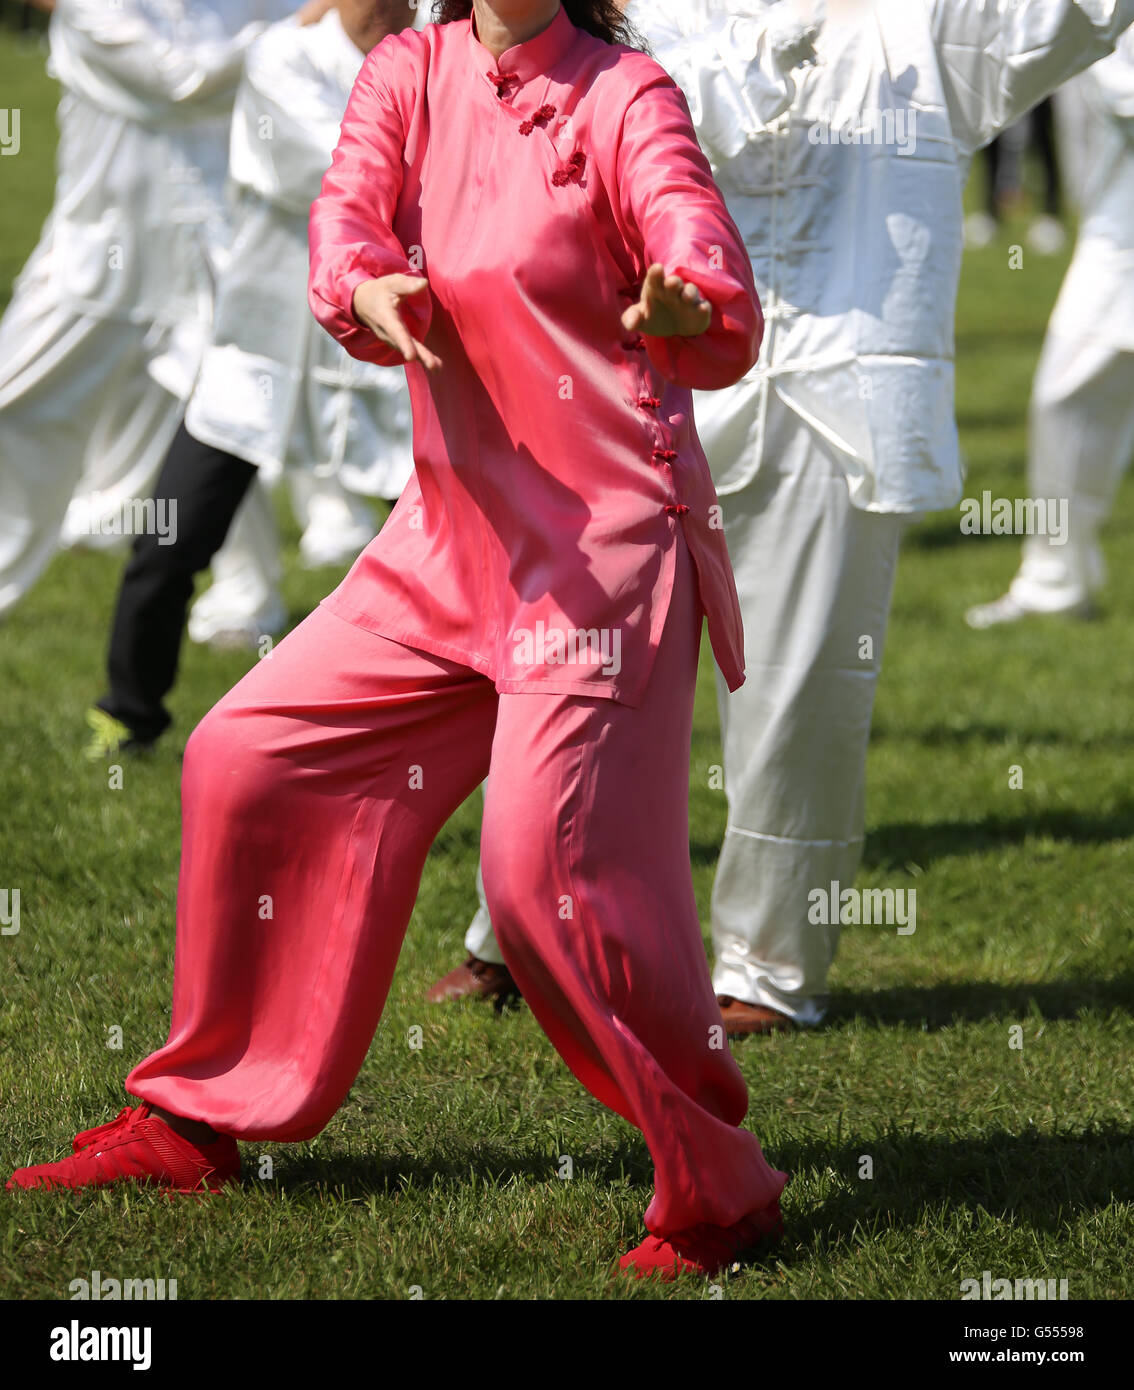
602	18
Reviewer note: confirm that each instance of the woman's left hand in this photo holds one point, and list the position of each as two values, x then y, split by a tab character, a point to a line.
669	307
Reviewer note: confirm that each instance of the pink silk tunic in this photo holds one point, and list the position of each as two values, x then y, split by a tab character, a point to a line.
555	454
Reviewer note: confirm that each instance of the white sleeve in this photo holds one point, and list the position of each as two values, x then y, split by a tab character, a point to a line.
117	43
735	72
1000	57
1111	82
285	123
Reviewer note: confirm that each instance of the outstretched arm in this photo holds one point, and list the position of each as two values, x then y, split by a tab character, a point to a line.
736	73
1000	57
352	235
672	210
118	44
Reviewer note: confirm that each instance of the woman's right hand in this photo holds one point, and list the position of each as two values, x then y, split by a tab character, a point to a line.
376	305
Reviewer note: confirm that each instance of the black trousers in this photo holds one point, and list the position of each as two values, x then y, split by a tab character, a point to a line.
1042	139
202	488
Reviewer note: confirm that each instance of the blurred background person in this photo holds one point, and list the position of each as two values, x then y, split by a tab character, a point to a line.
259	383
99	345
274	390
1005	185
842	136
1081	430
27	9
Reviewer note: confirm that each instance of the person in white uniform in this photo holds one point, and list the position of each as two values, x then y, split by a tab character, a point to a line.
98	347
274	390
278	392
1082	410
842	137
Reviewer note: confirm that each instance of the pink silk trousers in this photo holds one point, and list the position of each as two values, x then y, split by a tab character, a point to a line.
314	790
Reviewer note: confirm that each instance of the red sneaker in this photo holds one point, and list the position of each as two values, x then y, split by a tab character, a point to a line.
88	1136
702	1249
139	1147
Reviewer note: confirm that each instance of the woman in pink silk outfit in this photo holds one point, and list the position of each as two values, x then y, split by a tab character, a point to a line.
519	212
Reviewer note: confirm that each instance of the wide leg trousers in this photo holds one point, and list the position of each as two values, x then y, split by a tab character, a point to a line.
815	576
311	796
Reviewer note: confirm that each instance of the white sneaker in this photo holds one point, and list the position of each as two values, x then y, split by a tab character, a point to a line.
82	528
224	627
1046	236
338	548
1010	610
980	230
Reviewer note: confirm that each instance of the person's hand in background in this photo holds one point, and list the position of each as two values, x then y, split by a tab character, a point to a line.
313	11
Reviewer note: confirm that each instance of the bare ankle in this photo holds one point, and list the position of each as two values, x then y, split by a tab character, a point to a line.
196	1131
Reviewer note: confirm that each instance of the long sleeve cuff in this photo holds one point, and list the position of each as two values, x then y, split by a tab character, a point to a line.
337	314
717	358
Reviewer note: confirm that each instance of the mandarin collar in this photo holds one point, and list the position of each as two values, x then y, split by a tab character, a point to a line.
535	57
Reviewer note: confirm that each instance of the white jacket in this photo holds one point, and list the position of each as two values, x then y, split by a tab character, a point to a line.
845	178
148	88
274	388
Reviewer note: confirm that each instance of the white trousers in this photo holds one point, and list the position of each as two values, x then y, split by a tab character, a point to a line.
244	596
480	939
815	577
75	398
1081	442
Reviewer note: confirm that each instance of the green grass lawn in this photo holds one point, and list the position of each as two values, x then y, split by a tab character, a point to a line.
440	1172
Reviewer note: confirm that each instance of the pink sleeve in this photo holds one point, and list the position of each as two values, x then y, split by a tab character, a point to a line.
351	233
675	212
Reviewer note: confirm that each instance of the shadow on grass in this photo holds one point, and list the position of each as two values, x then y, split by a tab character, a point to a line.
1035	1180
973	341
977	1001
941	532
1038	1179
942	736
1001	413
974	732
491	1163
894	846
